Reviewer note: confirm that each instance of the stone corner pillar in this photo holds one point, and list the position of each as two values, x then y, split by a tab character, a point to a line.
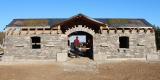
153	57
100	57
62	57
7	58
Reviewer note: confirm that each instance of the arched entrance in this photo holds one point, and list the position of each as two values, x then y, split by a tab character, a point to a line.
81	25
86	44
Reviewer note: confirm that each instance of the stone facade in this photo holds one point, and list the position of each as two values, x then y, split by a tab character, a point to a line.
106	45
18	45
140	44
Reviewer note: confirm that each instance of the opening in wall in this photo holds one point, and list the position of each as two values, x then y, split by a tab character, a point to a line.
36	42
123	42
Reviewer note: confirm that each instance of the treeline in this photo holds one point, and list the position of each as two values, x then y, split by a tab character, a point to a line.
2	34
157	36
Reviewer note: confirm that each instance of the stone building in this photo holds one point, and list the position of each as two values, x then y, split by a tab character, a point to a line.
104	39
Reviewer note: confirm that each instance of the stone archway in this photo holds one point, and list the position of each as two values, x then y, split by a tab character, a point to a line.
80	30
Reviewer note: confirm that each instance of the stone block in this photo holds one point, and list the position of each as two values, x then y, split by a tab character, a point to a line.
104	45
100	57
64	51
61	57
7	58
153	57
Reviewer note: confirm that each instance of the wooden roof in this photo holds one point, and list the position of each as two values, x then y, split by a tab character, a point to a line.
111	22
80	19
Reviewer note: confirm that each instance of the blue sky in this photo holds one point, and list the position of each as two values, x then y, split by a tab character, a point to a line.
147	9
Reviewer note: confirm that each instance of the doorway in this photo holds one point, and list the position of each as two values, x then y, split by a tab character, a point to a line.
85	48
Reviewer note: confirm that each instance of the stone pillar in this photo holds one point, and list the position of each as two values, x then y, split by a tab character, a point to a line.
153	57
59	29
100	57
43	30
28	30
101	28
12	32
61	57
35	31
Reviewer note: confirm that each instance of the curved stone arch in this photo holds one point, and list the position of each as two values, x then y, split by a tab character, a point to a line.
80	28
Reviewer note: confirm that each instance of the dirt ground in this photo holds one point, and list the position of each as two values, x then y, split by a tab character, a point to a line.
108	71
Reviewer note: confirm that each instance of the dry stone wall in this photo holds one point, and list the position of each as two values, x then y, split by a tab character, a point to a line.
105	45
20	46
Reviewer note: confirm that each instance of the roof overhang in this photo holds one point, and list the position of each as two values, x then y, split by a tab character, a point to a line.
81	17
